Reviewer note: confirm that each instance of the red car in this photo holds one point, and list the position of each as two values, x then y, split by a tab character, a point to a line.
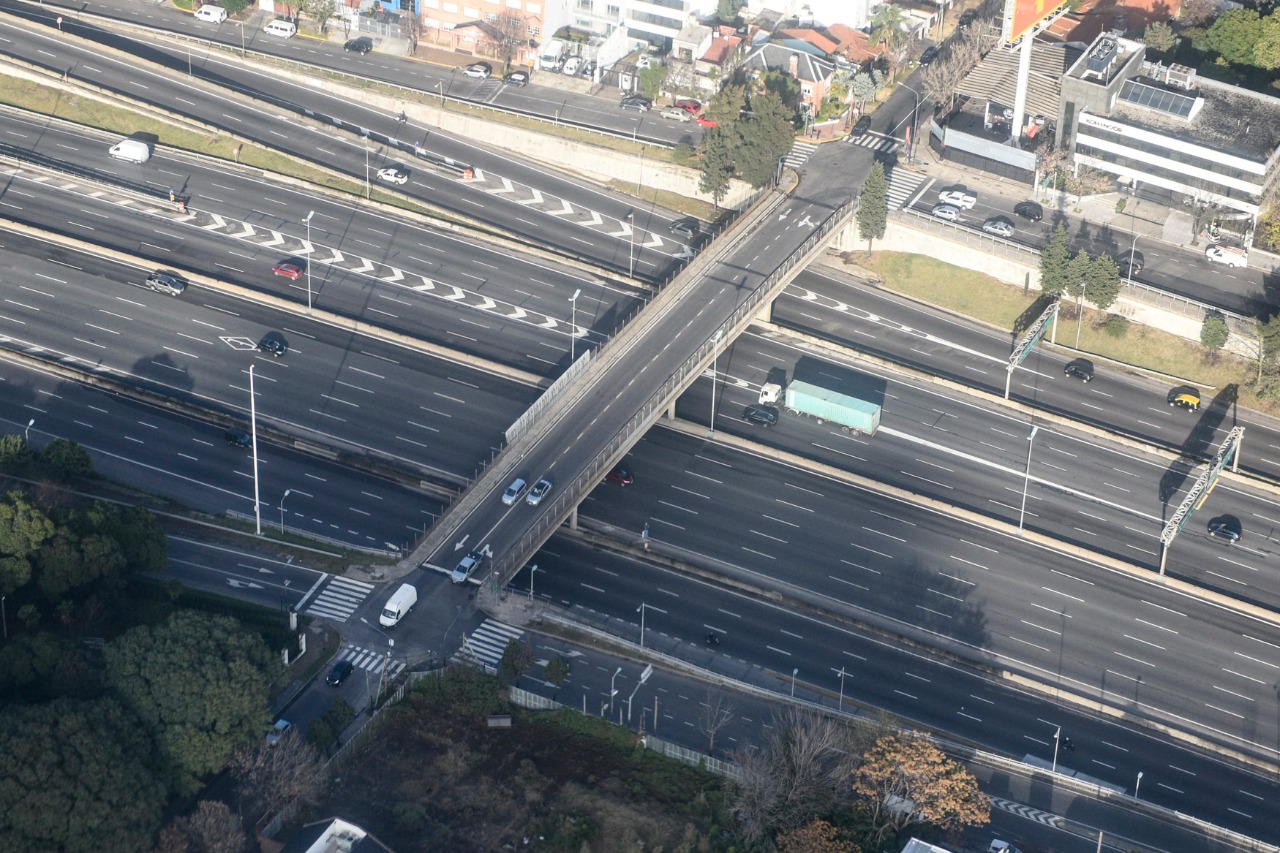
288	270
620	477
689	105
703	121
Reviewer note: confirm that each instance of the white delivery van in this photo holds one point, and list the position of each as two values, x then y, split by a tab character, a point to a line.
552	56
212	14
398	605
283	29
132	150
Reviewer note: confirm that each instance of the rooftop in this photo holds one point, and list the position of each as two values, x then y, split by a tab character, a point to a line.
995	78
809	69
1105	58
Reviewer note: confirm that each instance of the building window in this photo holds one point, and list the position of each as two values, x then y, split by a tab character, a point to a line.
471	12
585	5
535	31
491	17
451	7
614	12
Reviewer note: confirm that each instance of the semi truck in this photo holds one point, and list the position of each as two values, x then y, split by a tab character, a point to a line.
823	404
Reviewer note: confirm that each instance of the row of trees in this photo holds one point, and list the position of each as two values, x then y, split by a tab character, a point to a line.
752	133
1079	276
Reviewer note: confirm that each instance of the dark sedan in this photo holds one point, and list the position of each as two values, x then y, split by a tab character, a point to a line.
760	415
1029	210
361	45
339	672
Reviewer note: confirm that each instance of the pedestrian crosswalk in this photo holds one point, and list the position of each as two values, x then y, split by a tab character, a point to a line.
339	599
799	154
373	660
876	141
485	645
903	185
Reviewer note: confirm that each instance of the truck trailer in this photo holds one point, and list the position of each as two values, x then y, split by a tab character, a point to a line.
823	404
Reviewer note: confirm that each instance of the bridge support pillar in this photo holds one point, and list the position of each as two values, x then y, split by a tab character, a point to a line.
573	518
766	312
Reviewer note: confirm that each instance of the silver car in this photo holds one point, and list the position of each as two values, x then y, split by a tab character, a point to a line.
540	490
466	567
163	282
515	491
947	212
998	226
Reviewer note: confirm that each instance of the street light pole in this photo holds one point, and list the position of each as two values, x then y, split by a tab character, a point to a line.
1057	737
612	691
307	222
1026	480
26	433
386	666
286	494
367	189
642	606
794	673
631	255
715	339
532	569
1137	785
253	429
842	674
915	117
573	326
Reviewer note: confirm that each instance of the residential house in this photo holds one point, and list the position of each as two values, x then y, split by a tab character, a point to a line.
813	73
854	46
1094	17
487	24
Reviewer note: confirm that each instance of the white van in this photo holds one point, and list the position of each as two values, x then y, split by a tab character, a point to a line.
212	14
131	150
282	29
398	605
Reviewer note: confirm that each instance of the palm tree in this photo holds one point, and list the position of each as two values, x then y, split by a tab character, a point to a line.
889	27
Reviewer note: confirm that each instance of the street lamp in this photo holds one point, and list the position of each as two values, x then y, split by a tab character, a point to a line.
641	611
915	116
26	433
1137	785
307	222
842	674
1026	480
573	324
613	692
631	255
794	673
715	358
1057	737
253	434
286	494
387	663
367	189
532	569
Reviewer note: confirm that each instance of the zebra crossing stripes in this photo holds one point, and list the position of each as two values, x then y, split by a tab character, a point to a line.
372	660
903	185
876	141
800	153
1046	818
486	644
339	599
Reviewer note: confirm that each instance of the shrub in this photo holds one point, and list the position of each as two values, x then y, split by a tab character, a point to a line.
1115	326
1214	332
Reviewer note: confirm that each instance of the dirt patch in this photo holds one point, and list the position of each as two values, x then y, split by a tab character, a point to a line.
434	777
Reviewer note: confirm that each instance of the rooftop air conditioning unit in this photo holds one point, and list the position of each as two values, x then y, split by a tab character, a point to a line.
1103	55
1181	76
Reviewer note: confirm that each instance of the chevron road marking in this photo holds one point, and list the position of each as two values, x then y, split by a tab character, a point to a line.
486	304
308	248
507	187
218	221
337	258
427	284
625	232
518	313
537	198
276	239
247	230
653	242
564	211
458	292
593	221
549	323
395	276
365	267
1046	818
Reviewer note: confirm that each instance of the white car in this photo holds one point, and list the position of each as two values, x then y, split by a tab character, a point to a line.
515	491
466	567
1229	255
960	198
676	114
538	492
278	731
478	69
212	14
571	66
394	175
946	212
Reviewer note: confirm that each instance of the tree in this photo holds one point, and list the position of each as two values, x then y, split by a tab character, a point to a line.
762	139
1197	13
68	459
904	779
1054	262
516	660
74	777
864	85
817	836
651	80
783	86
1214	332
716	714
873	206
1266	50
889	28
801	772
717	164
211	828
14	453
199	683
1159	36
273	775
940	80
1234	34
727	11
557	671
233	7
23	527
1103	283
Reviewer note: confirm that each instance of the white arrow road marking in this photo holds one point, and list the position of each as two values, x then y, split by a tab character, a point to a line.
653	242
548	323
625	232
365	267
593	221
242	584
537	198
337	258
218	222
276	239
308	248
486	304
238	343
784	214
685	254
806	222
395	276
248	231
564	211
461	543
458	292
507	187
427	284
517	314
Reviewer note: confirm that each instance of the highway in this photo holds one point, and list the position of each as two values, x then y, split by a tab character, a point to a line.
588	221
761	642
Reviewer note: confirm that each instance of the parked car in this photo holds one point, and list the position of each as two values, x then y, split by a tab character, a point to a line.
1080	368
339	672
361	45
539	491
466	566
515	491
967	17
860	127
1029	210
946	212
644	61
637	103
689	105
211	14
760	415
278	731
274	344
999	226
675	114
516	78
238	438
703	121
288	269
1229	255
394	175
928	56
686	228
588	69
1185	397
958	197
166	283
620	477
1227	528
480	70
